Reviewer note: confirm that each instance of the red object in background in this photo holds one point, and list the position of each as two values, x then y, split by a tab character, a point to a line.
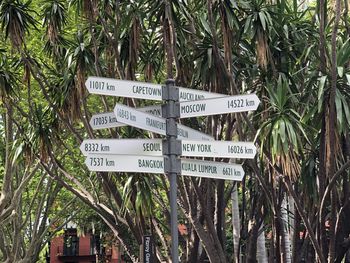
71	248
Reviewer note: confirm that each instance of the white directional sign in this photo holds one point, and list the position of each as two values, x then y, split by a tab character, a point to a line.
104	120
155	124
140	90
224	149
108	119
125	163
122	146
147	164
215	170
222	105
124	88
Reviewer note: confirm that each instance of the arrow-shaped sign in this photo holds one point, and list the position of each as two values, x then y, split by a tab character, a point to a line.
141	90
224	149
228	104
148	147
104	120
125	163
154	147
147	164
155	124
124	88
226	171
108	119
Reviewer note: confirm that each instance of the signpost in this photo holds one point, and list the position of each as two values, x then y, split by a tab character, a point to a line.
162	156
154	147
170	95
222	105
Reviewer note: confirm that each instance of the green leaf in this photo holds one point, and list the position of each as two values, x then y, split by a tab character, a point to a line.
233	4
280	92
348	78
338	106
210	57
247	24
301	128
283	130
274	136
268	18
343	54
286	32
346	110
340	71
320	92
262	20
18	152
306	55
244	4
205	24
291	134
283	137
231	17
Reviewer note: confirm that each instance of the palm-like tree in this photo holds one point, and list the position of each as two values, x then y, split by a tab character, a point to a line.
16	20
55	19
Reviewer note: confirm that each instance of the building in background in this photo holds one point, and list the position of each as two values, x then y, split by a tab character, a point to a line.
88	248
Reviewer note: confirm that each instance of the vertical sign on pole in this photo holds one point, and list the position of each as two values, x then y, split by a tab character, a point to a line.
148	250
172	150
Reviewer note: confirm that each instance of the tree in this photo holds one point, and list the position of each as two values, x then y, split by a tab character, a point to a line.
294	58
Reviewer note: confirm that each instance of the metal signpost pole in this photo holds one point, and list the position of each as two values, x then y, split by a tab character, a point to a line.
172	150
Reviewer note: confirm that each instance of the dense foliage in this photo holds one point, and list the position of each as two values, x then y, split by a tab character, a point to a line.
293	204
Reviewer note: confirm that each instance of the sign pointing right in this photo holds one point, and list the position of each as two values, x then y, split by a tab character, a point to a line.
225	149
228	104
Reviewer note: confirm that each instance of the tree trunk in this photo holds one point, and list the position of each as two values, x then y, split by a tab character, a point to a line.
261	253
235	224
206	232
220	212
5	195
252	242
285	230
331	125
291	217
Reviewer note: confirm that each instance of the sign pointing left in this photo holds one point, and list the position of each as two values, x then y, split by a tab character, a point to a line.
141	90
125	163
151	147
124	88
